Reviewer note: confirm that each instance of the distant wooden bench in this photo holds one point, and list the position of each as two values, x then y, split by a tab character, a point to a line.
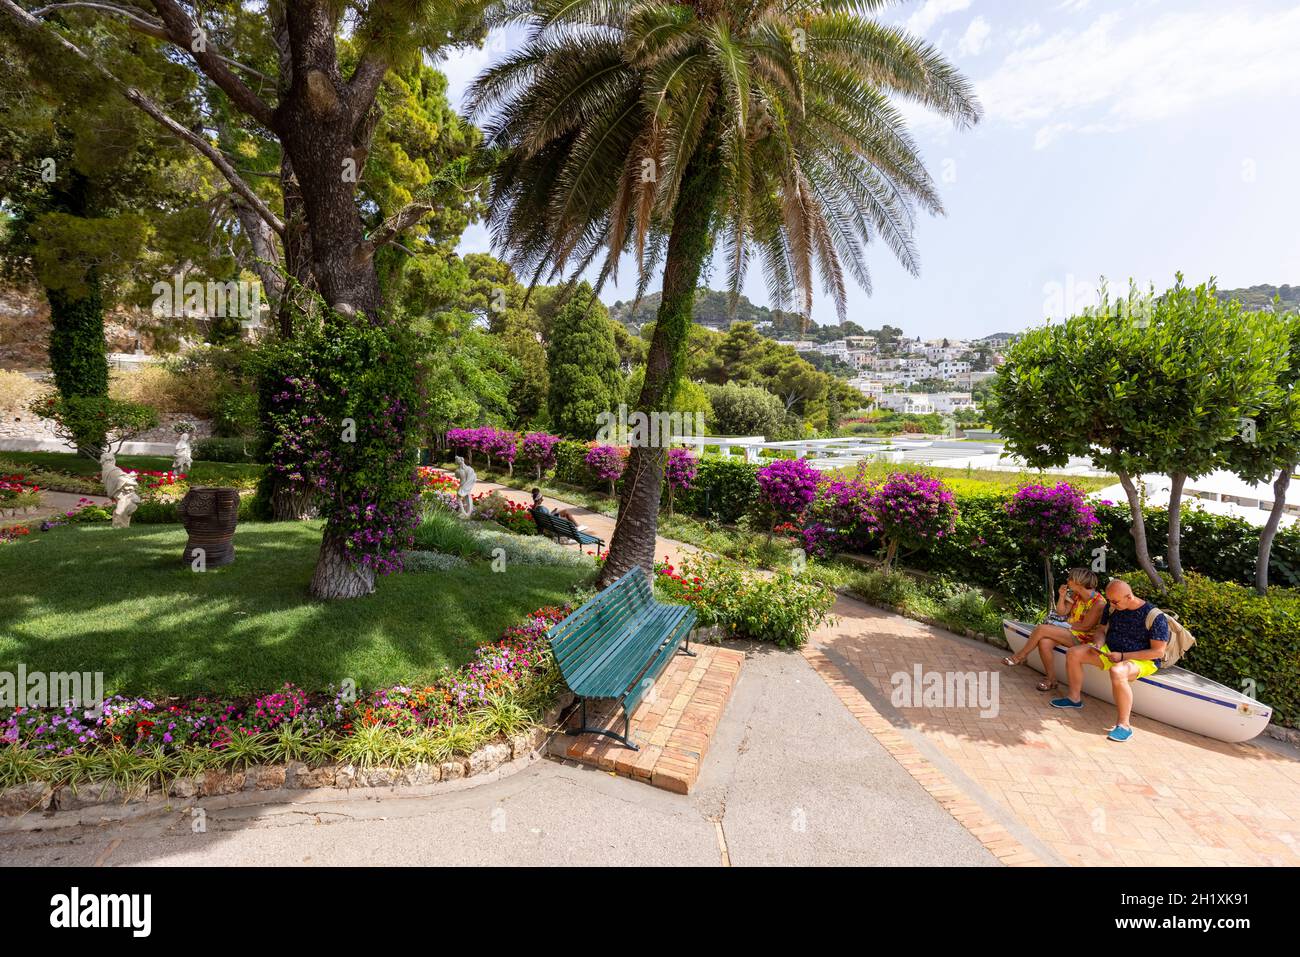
558	527
617	644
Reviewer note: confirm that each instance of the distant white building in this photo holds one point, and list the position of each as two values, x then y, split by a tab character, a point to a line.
837	348
798	345
951	368
950	402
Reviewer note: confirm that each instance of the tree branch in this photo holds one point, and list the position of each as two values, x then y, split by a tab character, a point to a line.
138	23
180	29
155	111
404	218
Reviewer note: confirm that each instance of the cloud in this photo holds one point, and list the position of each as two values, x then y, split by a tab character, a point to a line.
1119	73
973	40
931	12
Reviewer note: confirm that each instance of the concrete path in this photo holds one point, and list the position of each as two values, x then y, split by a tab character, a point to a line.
791	778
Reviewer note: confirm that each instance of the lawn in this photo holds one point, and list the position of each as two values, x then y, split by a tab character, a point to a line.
120	601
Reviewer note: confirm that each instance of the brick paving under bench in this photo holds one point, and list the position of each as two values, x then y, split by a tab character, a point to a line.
673	726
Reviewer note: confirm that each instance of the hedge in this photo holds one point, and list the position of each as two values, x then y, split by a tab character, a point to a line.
166	513
1241	637
983	550
722	490
571	466
225	450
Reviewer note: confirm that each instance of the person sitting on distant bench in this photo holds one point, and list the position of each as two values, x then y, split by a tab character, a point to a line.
1076	613
1131	651
538	507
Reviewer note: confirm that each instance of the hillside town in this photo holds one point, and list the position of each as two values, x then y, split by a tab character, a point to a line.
913	376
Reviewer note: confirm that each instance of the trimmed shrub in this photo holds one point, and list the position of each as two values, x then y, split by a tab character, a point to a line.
722	490
1241	637
571	464
225	450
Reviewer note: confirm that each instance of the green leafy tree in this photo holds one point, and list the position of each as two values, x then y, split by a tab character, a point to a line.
745	410
301	84
1267	445
766	127
584	367
1141	384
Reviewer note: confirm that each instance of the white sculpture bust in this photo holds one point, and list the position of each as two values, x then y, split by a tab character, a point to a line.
112	476
183	457
467	477
126	501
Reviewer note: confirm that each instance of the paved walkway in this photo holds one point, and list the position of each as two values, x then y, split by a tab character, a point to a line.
790	779
1047	784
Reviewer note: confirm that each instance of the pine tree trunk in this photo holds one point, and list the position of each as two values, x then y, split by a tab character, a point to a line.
1269	531
1138	529
1174	536
633	542
324	141
336	576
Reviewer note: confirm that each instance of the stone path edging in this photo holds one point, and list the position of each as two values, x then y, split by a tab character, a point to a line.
96	803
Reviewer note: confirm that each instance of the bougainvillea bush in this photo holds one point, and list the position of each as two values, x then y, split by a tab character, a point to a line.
786	487
679	473
1051	521
841	518
339	406
607	462
912	510
538	450
151	740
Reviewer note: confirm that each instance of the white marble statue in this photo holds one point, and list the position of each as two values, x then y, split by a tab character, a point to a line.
112	476
467	477
126	501
183	457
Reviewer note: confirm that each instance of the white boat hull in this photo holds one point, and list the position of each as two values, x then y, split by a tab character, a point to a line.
1175	696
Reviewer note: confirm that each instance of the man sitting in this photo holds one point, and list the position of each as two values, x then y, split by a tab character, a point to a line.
1130	651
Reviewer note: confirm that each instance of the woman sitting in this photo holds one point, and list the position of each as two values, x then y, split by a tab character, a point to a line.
1077	612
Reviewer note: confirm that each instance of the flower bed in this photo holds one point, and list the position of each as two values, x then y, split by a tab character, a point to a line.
17	491
502	691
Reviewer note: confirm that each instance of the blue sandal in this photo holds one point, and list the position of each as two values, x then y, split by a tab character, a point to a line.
1066	703
1119	733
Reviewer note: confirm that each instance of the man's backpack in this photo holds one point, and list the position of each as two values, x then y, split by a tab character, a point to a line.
1180	639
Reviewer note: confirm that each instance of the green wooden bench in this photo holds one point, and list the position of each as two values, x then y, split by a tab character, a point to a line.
558	527
617	644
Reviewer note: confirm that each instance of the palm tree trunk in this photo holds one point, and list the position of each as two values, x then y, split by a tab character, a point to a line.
1269	531
1175	534
1138	529
633	542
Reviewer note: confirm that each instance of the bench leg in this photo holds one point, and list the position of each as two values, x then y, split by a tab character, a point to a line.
621	738
686	647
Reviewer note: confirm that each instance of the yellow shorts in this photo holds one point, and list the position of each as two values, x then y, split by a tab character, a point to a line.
1146	667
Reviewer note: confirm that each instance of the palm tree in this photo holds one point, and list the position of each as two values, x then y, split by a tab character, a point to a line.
680	129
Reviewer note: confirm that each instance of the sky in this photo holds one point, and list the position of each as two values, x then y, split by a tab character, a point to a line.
1129	139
